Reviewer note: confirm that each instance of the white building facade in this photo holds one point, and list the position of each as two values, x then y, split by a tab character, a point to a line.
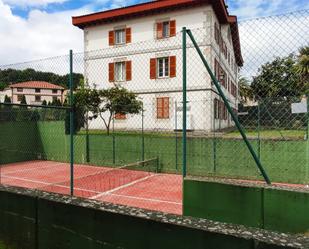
140	48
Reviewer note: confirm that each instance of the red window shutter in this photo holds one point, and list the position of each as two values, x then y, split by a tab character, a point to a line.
111	72
173	28
173	66
111	38
160	30
128	35
153	68
120	116
159	107
128	70
166	107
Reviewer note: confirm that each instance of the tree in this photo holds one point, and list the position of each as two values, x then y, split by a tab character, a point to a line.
245	90
23	100
302	67
44	102
277	79
106	103
7	99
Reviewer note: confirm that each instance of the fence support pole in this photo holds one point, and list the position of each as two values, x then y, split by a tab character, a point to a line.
176	138
184	101
259	130
71	126
226	102
143	138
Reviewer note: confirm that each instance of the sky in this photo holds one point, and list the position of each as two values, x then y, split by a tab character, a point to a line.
34	29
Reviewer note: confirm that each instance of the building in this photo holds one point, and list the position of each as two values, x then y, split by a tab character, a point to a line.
140	48
36	92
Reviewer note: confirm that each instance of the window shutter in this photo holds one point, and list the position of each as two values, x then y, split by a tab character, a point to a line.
120	116
166	107
153	68
128	35
111	38
159	107
160	30
172	28
173	66
128	70
111	72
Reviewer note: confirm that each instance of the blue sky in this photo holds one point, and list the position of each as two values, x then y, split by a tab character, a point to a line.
243	8
34	29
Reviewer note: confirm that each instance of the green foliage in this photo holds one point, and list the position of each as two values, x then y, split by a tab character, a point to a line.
283	78
23	100
44	102
105	103
245	90
9	76
7	99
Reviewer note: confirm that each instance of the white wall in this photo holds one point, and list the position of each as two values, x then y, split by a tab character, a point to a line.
46	94
145	46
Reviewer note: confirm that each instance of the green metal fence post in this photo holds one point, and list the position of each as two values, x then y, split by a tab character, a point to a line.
176	138
226	102
143	138
114	142
184	101
87	141
71	126
259	130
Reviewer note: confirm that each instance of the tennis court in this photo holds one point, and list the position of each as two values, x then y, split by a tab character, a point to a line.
136	185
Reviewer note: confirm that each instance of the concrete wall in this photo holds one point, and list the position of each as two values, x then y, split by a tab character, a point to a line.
263	207
37	220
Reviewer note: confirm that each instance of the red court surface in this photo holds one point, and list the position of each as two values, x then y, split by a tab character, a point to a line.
153	191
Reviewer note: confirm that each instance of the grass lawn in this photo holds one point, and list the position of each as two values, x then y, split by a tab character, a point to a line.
270	134
264	134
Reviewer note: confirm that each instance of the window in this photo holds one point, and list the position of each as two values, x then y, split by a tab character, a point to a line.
20	97
120	36
55	91
120	116
120	71
216	111
37	98
55	99
166	29
163	108
37	90
20	90
163	67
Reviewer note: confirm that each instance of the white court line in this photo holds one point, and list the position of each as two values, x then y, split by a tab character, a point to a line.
121	187
48	184
38	167
147	199
109	192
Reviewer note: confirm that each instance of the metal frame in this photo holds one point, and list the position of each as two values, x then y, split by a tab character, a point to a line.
226	103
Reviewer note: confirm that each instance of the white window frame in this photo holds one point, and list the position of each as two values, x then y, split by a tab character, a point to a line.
163	67
120	71
166	29
120	36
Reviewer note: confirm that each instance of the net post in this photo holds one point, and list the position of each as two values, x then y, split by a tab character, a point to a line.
184	101
235	119
71	126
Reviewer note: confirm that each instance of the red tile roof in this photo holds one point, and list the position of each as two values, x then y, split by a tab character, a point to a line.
161	6
36	84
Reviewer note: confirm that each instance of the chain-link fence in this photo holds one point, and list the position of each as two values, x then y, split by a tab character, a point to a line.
128	136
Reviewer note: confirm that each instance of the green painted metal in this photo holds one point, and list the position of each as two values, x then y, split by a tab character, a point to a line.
143	138
114	142
184	101
226	102
259	130
71	126
176	138
266	208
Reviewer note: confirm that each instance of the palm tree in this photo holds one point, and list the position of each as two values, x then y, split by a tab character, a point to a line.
245	90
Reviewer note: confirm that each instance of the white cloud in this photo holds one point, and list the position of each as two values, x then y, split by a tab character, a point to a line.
31	3
264	39
40	35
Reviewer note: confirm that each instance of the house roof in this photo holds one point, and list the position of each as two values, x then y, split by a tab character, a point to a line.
36	84
161	6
